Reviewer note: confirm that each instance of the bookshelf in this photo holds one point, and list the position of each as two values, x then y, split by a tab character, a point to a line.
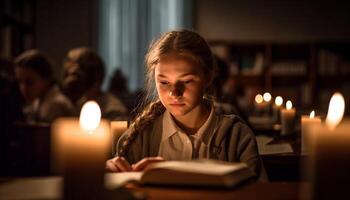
17	26
305	72
333	71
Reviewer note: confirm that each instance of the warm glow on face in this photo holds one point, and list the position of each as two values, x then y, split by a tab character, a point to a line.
278	100
90	116
335	110
267	97
289	105
259	98
312	114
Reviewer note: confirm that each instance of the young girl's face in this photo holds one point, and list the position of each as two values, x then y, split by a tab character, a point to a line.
31	84
180	85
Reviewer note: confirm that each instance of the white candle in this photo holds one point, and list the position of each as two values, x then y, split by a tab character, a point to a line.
287	119
330	164
267	103
307	121
276	109
259	104
82	147
117	129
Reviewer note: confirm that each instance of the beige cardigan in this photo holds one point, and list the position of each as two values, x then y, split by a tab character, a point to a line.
232	141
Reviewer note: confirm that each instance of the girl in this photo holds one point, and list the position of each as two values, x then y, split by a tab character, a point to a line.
179	121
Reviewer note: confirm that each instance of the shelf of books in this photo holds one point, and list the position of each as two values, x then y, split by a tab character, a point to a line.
305	72
17	27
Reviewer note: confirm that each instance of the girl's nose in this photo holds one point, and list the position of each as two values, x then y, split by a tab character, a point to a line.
174	93
176	90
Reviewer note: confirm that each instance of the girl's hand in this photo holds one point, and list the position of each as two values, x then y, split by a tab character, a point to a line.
142	164
118	164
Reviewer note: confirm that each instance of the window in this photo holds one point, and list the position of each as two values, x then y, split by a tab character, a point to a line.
126	28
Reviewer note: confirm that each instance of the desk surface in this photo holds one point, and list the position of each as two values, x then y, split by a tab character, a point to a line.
271	190
50	188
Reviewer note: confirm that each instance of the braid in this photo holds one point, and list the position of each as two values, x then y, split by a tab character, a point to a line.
147	116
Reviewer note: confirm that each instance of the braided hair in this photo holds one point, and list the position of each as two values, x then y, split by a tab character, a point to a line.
184	44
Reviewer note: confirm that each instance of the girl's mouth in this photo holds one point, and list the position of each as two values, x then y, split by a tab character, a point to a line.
177	104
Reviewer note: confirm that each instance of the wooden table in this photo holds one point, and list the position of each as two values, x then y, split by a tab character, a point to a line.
270	190
283	166
50	188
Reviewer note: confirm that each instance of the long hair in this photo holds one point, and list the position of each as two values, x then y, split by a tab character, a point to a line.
34	60
184	44
83	69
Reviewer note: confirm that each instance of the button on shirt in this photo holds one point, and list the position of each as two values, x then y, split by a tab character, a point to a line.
177	145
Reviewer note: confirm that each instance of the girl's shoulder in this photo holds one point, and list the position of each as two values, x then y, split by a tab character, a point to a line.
232	123
230	117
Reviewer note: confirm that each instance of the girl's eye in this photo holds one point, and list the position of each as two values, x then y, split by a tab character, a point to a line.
163	82
188	81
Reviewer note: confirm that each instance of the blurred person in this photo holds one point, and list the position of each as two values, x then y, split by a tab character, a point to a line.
225	91
44	102
84	72
118	87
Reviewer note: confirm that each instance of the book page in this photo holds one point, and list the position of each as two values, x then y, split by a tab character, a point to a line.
199	167
266	149
115	180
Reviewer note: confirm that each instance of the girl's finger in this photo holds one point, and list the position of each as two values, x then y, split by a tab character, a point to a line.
122	164
141	165
111	167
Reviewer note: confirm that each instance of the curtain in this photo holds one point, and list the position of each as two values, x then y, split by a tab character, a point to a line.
126	28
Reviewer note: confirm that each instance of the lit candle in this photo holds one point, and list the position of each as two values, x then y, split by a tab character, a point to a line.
330	152
306	123
117	129
82	147
276	109
259	104
267	103
287	119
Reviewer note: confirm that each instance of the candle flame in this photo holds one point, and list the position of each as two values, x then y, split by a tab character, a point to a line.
278	100
267	97
312	114
335	110
289	105
90	116
259	98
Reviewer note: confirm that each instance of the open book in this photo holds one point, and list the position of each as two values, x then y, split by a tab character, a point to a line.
185	173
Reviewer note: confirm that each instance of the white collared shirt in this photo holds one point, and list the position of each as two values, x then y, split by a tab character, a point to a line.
177	145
